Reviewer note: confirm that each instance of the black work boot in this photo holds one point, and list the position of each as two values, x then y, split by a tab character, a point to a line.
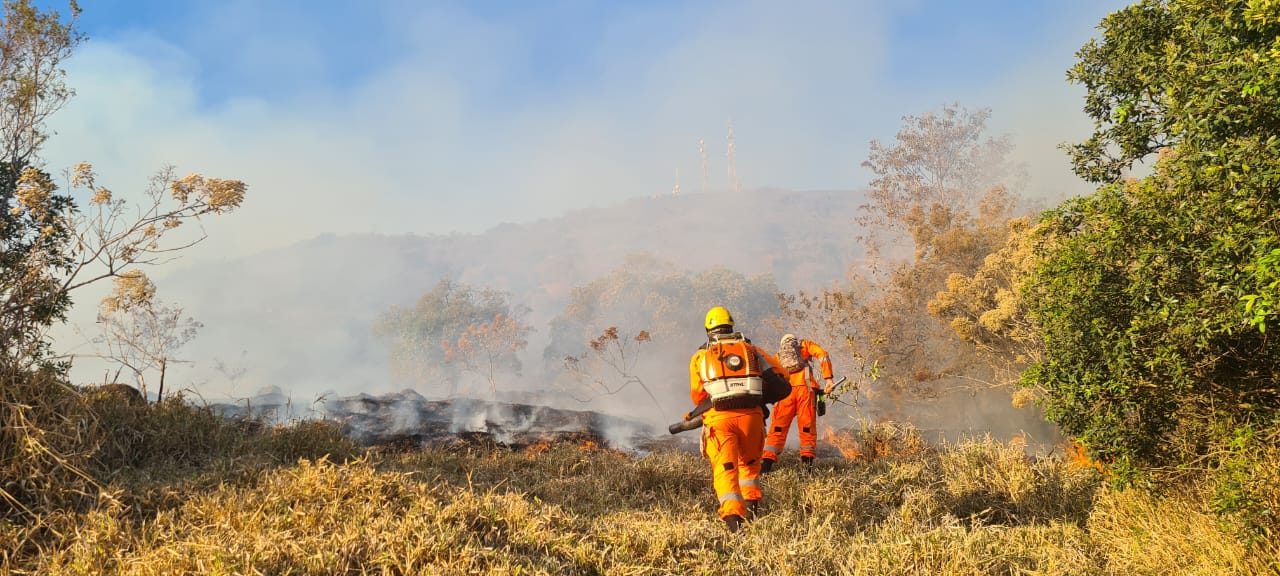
766	465
753	509
733	523
807	460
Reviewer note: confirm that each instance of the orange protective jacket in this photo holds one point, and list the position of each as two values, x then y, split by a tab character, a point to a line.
800	405
732	440
810	350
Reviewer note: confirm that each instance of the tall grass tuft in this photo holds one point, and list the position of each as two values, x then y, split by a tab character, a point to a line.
45	445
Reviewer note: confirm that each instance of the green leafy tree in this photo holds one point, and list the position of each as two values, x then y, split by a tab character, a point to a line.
1153	294
419	335
33	45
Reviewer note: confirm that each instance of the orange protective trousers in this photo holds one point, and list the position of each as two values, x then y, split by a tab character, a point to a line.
800	405
732	440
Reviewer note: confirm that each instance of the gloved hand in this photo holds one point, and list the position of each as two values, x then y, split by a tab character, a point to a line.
830	385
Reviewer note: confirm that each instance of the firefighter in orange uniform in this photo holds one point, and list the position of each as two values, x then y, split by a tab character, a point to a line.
796	356
730	372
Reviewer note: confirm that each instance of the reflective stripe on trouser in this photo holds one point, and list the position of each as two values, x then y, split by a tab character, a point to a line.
733	444
800	405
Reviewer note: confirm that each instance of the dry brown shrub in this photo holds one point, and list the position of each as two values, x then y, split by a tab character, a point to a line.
45	443
999	482
887	439
119	392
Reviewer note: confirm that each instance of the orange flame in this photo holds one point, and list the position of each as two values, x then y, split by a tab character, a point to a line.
844	442
533	450
588	445
1078	457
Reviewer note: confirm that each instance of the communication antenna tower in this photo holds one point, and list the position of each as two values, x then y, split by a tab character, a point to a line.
702	150
675	191
733	164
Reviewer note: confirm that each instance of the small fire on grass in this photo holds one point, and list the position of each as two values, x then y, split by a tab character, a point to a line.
843	441
545	443
1078	457
533	450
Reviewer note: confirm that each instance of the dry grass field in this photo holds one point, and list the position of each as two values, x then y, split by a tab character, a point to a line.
179	492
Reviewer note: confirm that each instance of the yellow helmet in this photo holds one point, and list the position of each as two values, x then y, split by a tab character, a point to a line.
719	316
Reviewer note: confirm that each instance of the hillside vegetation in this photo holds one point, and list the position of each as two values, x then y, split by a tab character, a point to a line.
304	335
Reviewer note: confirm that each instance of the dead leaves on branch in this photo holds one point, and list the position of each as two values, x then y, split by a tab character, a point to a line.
609	338
58	247
113	234
610	366
215	194
132	289
488	348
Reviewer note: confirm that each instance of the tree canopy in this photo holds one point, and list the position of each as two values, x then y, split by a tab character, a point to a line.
1153	294
945	185
450	328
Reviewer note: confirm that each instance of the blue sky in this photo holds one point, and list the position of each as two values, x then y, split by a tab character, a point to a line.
437	117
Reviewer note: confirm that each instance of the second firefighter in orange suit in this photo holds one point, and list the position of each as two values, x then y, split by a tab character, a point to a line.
733	429
796	356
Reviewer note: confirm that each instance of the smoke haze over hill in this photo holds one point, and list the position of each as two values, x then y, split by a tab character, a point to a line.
302	316
530	150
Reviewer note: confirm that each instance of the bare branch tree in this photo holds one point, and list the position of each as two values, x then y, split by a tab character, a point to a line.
145	336
33	45
60	249
109	237
616	354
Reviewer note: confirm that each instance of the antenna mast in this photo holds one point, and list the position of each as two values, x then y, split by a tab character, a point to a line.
733	165
702	150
